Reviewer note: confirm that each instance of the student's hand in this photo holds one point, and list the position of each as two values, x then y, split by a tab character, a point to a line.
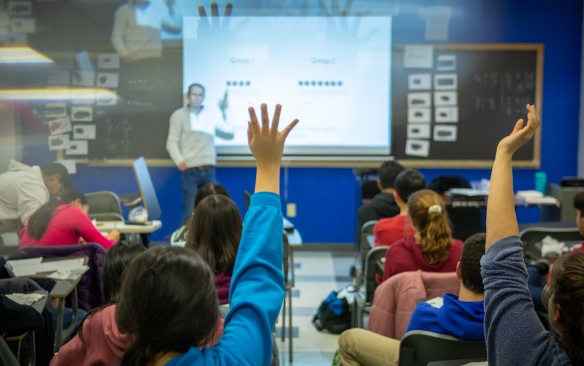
520	134
267	146
267	143
182	166
114	235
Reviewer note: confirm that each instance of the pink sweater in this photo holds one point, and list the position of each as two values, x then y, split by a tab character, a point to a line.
104	344
66	227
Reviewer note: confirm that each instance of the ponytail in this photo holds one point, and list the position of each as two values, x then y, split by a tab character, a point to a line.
428	214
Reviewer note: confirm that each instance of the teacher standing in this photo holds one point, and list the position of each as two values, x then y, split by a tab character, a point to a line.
191	142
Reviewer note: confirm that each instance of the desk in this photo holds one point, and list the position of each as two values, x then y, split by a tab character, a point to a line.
152	226
61	290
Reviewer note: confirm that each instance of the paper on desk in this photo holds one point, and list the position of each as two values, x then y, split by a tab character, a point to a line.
25	299
51	266
68	274
552	246
25	267
468	192
480	363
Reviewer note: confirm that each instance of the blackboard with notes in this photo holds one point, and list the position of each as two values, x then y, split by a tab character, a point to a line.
454	108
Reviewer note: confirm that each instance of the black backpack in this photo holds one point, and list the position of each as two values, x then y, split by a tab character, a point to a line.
333	314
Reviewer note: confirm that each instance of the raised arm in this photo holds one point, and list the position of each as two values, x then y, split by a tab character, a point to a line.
501	219
267	146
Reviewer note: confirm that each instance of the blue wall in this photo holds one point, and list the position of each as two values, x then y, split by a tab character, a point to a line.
326	198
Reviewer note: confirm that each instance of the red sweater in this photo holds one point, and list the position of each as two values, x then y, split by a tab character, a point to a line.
66	227
406	255
392	229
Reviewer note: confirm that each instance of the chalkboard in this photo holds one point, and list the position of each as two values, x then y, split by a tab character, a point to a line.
454	112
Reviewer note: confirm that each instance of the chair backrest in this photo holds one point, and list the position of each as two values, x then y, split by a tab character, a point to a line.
90	288
533	235
6	354
395	299
419	348
364	245
104	206
374	257
147	192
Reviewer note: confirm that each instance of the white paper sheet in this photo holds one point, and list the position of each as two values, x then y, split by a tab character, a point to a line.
445	98
419	57
25	267
418	100
446	63
418	148
445	133
417	131
84	132
82	113
77	147
419	115
60	125
445	81
446	115
59	142
419	82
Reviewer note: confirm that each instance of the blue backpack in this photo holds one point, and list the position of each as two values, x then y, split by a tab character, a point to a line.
333	314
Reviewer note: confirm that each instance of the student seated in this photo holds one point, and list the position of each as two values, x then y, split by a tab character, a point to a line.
431	248
513	332
389	230
64	221
214	232
179	237
98	341
168	303
459	316
383	204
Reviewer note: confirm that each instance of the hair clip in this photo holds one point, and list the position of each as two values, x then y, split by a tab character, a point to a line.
435	208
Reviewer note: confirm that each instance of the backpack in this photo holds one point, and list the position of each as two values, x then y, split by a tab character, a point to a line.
334	313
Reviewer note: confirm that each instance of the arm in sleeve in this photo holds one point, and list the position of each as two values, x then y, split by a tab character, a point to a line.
257	286
85	229
172	142
30	198
513	333
117	39
224	126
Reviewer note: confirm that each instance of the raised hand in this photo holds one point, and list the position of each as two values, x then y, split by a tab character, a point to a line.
267	146
520	134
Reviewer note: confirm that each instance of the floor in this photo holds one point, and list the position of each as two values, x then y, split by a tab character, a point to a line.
317	273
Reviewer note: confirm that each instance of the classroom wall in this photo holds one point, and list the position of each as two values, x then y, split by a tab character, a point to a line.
327	198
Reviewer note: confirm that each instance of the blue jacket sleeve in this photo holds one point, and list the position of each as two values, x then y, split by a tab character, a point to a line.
513	333
257	291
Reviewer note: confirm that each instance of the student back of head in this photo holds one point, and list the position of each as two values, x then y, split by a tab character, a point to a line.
389	230
432	247
383	204
64	221
179	237
215	232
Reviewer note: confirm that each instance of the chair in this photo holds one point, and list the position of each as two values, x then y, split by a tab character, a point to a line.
363	248
90	288
288	267
104	206
533	235
395	299
419	348
363	300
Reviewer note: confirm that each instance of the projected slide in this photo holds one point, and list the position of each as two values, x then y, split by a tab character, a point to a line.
333	73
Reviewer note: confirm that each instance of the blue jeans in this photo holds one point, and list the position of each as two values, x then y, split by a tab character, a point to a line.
191	180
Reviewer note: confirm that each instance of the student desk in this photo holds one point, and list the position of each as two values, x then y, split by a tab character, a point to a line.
123	228
62	289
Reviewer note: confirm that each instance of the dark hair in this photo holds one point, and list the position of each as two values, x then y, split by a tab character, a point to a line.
167	303
118	258
206	190
51	169
192	86
566	287
387	173
579	202
470	263
215	231
39	221
407	182
435	234
443	183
